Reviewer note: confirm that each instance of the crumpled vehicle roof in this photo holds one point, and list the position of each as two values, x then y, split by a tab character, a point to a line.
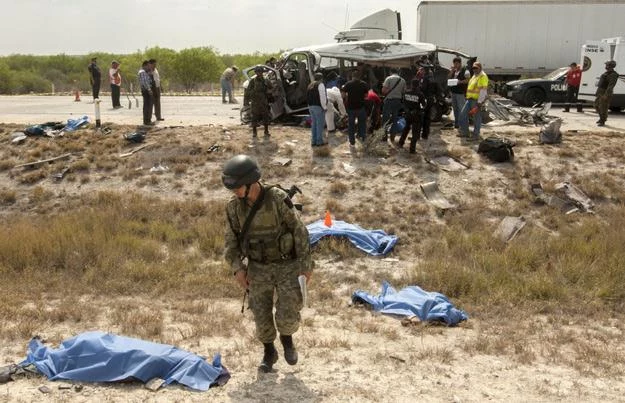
371	50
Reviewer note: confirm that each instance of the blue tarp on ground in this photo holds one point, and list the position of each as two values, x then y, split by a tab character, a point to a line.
412	301
374	242
105	357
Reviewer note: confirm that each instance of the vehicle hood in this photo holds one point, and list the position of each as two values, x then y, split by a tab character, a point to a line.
372	50
527	81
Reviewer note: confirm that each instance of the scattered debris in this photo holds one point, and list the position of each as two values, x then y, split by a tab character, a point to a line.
129	153
399	172
411	321
214	148
282	161
154	384
497	149
135	137
18	137
519	116
553	201
158	168
576	196
550	133
447	163
509	227
394	357
44	389
59	175
35	163
434	196
78	388
106	130
65	386
349	168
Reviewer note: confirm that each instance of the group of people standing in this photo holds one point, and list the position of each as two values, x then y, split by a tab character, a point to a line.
149	81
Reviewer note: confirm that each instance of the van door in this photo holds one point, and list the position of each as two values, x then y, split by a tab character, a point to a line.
594	56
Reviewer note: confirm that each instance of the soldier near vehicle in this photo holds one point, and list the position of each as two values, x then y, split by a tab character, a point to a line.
257	96
605	88
265	229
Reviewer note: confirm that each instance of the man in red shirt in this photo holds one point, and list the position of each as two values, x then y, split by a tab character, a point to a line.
573	78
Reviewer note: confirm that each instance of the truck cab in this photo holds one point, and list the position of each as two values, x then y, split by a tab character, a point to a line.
594	56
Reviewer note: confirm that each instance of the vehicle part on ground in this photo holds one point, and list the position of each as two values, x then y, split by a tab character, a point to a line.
519	115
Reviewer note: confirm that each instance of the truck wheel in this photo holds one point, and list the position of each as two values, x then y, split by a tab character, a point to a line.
534	96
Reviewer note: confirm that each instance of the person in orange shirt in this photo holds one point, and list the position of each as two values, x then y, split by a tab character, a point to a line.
573	79
115	79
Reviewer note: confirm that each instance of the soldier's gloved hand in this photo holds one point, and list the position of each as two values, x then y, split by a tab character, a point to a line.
241	278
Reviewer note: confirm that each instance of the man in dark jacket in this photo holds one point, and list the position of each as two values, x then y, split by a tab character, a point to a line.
356	91
414	102
95	77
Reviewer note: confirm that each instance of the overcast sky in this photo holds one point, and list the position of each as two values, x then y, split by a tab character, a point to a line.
45	27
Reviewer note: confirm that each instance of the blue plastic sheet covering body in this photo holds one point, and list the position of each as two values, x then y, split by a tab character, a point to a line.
412	301
73	124
105	357
373	242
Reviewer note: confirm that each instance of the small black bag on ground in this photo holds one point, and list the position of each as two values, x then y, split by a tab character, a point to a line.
497	149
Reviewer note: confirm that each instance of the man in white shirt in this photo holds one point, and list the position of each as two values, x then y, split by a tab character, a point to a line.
115	79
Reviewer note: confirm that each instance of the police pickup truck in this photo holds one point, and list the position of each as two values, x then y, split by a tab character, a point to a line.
532	91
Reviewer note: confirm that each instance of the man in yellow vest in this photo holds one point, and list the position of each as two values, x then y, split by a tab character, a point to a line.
477	91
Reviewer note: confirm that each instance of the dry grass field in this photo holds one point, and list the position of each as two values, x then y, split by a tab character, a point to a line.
115	247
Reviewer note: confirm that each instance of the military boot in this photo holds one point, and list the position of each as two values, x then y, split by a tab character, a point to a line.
267	131
254	132
270	357
567	107
290	353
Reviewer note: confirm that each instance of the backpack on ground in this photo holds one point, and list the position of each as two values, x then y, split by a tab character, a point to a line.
497	149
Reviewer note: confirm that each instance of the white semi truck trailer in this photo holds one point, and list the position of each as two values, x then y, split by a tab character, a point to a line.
515	39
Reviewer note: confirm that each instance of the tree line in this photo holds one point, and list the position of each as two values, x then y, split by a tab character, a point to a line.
188	70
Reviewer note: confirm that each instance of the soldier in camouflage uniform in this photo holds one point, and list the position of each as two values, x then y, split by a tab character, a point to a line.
256	95
277	249
606	84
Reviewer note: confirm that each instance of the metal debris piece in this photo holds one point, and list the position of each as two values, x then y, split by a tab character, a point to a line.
509	227
135	137
35	163
158	168
550	133
553	201
447	163
518	115
213	148
154	384
576	195
44	389
401	171
129	153
65	386
282	161
18	137
434	196
59	175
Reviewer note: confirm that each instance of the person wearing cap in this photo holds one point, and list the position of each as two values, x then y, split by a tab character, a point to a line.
115	78
227	84
573	79
477	91
356	92
155	80
256	96
605	87
94	78
267	248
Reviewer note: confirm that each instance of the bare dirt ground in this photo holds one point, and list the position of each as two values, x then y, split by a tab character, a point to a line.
349	354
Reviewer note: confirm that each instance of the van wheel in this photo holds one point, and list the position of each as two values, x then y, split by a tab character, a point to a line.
534	96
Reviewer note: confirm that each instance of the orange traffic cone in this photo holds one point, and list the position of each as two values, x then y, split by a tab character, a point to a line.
327	221
77	96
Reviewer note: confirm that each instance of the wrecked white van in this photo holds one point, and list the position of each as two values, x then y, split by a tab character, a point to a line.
374	58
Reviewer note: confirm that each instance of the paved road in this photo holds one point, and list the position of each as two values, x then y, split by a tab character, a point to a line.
198	110
179	110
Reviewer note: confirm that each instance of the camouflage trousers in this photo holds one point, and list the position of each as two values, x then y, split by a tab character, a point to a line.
602	104
260	114
279	279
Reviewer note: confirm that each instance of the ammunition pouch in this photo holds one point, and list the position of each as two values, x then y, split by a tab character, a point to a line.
268	251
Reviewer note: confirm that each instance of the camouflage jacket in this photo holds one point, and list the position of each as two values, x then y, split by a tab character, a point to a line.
275	234
256	91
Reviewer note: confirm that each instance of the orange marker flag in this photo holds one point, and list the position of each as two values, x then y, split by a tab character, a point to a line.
327	221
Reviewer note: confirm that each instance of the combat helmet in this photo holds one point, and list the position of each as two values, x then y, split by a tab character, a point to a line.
240	170
610	63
